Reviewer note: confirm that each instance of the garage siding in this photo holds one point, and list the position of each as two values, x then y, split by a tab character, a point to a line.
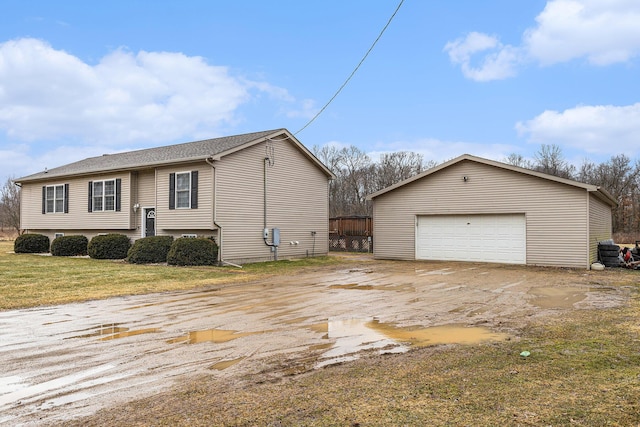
556	214
600	225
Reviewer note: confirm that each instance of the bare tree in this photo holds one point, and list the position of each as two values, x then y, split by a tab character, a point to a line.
518	160
620	178
10	205
549	160
354	177
330	156
355	170
395	167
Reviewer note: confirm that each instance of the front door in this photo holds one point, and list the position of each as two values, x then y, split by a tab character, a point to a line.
150	222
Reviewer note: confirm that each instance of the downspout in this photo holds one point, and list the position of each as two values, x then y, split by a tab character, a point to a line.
19	185
589	232
210	161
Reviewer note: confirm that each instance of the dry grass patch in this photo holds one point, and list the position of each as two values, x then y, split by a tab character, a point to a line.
28	280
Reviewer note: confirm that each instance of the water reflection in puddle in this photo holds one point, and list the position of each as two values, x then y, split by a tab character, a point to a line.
101	330
210	335
352	286
113	331
127	333
354	335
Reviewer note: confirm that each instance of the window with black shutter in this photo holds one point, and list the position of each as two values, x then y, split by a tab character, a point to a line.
105	195
55	198
183	190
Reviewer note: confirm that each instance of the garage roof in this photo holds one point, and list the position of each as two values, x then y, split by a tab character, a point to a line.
599	192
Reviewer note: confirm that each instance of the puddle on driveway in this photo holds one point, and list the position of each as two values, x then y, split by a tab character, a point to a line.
109	329
113	331
355	335
210	335
224	364
127	333
552	297
447	334
352	286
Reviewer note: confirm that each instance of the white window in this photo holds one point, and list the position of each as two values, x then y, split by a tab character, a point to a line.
192	236
54	195
183	190
55	236
104	195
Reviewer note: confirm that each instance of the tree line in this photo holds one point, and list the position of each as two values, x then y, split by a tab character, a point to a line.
10	207
357	175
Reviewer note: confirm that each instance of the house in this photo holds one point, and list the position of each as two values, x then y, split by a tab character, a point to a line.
259	195
474	209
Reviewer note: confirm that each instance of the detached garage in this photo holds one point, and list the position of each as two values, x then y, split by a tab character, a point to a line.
474	209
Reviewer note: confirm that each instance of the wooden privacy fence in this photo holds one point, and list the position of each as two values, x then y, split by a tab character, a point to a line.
351	234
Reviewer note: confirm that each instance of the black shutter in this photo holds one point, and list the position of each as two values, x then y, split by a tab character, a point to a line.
118	199
44	199
66	198
172	191
90	196
194	190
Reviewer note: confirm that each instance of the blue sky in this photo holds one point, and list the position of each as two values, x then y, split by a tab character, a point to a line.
488	78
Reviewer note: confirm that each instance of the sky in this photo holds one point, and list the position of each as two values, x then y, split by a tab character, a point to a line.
488	78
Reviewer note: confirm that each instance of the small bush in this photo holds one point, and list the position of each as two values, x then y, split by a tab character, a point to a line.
190	251
148	250
69	246
31	243
109	246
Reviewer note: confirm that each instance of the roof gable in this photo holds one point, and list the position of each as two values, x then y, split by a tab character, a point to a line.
600	192
178	153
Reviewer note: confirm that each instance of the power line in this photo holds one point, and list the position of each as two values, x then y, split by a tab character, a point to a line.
353	72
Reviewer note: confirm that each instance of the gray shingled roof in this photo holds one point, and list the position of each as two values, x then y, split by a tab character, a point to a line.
151	156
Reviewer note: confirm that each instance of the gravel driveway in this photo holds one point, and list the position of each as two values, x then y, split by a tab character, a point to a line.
64	362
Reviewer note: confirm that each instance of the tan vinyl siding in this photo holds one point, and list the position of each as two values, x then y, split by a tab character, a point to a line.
181	218
143	193
78	216
146	189
600	225
297	203
556	214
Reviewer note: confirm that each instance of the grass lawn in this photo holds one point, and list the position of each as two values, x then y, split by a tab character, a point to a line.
28	280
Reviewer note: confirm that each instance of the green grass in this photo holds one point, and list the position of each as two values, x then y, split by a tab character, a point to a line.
28	280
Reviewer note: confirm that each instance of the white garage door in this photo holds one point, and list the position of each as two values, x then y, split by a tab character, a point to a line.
486	238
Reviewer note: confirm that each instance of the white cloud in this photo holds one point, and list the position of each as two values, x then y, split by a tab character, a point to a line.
498	64
601	129
603	32
48	94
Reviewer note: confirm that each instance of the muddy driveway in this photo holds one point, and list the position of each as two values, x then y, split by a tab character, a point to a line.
68	361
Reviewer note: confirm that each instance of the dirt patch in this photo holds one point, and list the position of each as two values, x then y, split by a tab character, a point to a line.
65	362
